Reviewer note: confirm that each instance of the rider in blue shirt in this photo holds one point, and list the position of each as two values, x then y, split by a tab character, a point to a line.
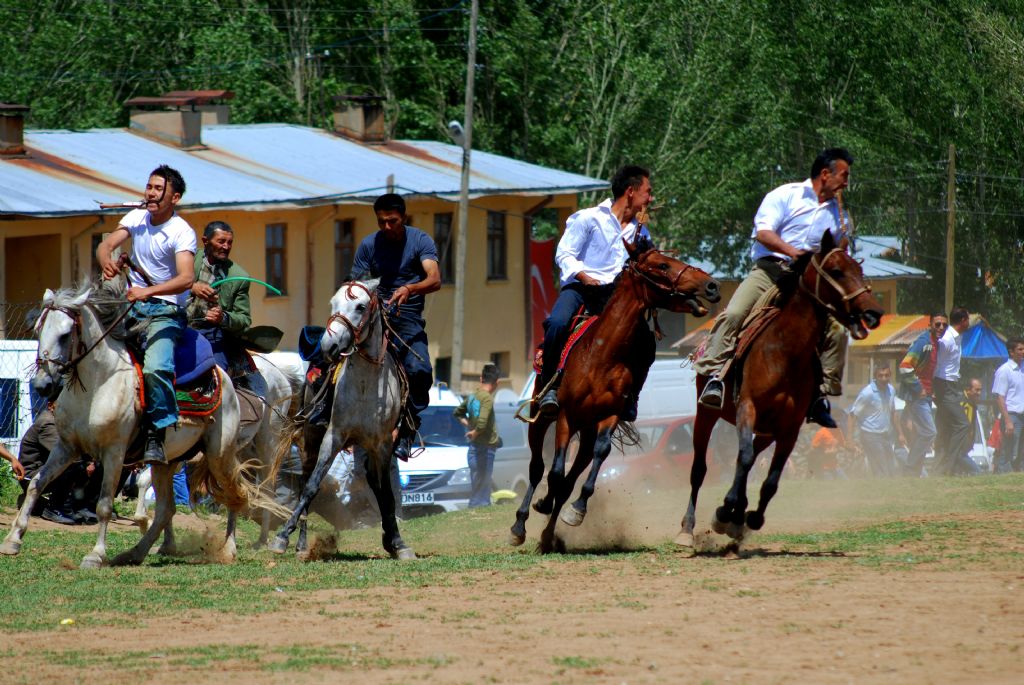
405	260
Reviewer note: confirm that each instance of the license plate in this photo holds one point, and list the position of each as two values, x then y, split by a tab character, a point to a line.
417	498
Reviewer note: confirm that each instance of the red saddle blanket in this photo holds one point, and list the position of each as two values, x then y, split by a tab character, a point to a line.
582	323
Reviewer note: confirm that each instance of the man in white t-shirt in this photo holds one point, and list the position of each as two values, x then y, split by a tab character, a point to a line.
163	252
954	440
1008	387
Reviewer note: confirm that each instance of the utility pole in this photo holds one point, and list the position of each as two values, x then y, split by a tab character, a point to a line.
462	236
950	225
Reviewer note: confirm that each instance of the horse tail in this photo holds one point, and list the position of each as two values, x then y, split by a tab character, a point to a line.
291	432
237	486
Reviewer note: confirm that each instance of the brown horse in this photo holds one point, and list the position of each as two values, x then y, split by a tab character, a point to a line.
599	377
778	384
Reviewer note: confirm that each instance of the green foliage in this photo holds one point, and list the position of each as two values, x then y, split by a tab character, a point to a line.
722	99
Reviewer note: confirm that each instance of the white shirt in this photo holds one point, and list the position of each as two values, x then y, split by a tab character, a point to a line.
1009	382
155	248
947	356
793	213
592	242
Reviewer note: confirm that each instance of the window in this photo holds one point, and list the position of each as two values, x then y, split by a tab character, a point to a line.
277	257
502	360
9	408
443	370
497	255
94	265
443	240
344	250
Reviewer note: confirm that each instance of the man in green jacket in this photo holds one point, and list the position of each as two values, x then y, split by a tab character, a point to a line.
221	314
477	414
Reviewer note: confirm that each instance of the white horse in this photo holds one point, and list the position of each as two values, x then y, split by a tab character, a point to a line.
367	405
98	414
278	391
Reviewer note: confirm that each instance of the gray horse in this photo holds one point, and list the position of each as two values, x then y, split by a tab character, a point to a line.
367	405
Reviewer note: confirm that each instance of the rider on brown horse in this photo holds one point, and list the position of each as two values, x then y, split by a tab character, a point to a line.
590	255
789	222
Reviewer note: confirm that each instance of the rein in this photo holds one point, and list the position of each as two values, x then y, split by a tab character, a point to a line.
651	313
357	331
817	262
68	367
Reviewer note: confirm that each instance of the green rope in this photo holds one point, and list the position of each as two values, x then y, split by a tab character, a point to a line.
246	278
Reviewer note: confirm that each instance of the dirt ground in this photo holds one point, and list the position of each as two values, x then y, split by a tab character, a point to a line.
765	615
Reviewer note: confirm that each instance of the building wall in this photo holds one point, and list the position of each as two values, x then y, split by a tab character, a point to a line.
496	319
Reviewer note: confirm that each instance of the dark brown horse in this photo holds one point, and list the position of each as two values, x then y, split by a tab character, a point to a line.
777	381
598	380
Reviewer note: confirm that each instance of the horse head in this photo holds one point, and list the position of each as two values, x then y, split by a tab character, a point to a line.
57	327
672	283
353	310
835	280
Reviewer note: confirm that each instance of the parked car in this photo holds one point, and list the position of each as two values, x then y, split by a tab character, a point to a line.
661	460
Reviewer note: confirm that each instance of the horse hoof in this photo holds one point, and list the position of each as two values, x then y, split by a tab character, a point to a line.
10	548
91	561
684	541
406	554
122	559
516	540
572	516
735	531
278	545
143	523
755	521
542	506
718	525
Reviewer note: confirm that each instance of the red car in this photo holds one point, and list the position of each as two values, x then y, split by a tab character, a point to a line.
661	460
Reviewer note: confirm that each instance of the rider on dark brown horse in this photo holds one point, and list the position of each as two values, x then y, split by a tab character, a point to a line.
590	255
789	222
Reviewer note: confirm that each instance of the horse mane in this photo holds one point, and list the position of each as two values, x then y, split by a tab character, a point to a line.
791	275
107	299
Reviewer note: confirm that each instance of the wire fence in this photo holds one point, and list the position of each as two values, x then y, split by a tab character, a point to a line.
17	362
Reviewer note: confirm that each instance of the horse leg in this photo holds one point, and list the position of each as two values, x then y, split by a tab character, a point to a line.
164	488
556	474
378	475
584	457
783	448
702	427
599	447
264	530
536	434
230	550
141	517
60	458
729	517
325	458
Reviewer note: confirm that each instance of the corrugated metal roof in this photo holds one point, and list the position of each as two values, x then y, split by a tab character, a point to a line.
874	267
67	172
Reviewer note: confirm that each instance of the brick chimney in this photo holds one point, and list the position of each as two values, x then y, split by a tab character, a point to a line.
12	129
360	117
209	103
173	120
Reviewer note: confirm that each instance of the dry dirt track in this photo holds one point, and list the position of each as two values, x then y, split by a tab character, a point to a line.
768	616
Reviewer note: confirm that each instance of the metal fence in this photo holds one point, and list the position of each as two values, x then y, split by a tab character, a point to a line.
17	360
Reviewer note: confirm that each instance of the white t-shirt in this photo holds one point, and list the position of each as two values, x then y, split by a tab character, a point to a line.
154	249
947	357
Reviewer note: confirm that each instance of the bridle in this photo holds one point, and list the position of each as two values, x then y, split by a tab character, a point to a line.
817	261
672	291
67	366
356	332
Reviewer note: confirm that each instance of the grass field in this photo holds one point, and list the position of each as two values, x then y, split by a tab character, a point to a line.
846	535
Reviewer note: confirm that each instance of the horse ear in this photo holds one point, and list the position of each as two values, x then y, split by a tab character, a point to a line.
631	249
844	244
48	296
372	284
82	298
828	242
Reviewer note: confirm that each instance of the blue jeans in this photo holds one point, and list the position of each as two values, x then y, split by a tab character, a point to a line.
919	413
164	330
180	483
1010	457
421	375
878	448
481	465
559	321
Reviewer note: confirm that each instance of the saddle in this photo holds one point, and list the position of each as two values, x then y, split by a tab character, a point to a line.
580	323
196	388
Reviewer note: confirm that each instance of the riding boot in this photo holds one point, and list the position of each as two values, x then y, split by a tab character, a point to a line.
154	452
821	413
320	413
549	401
713	396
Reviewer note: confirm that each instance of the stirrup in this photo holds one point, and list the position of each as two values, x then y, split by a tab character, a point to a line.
713	396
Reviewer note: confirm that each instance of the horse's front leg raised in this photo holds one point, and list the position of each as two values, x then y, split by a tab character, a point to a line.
536	434
378	475
600	447
163	487
60	458
783	448
556	474
328	451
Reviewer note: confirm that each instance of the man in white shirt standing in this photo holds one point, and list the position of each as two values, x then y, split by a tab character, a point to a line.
954	439
1008	387
590	255
874	413
163	251
790	221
